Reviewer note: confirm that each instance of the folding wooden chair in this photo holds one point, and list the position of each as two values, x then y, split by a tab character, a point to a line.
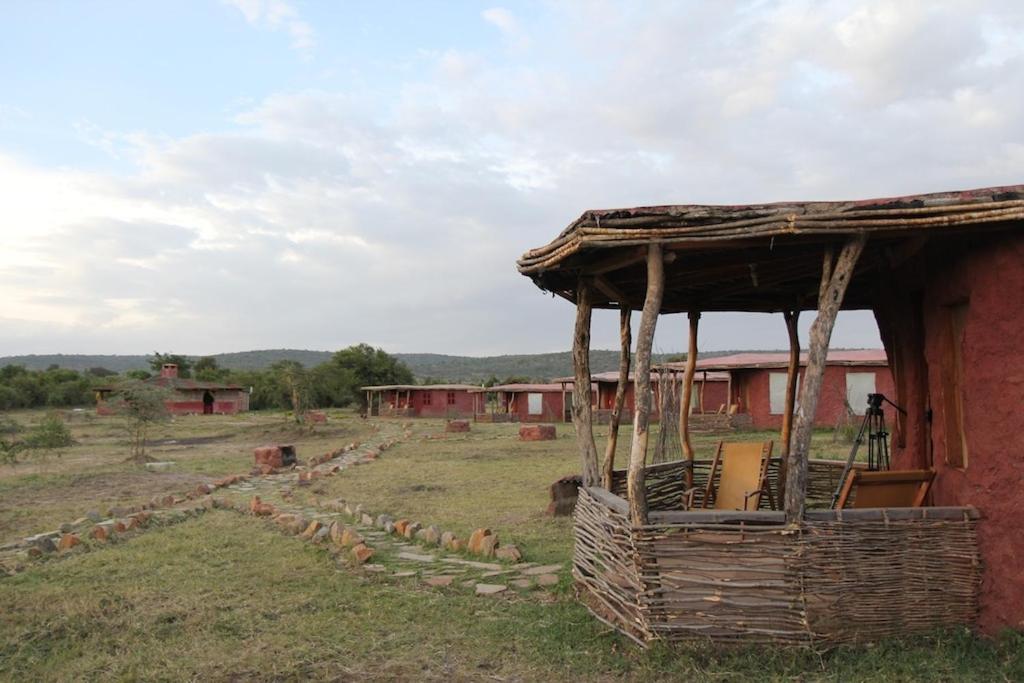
886	489
743	477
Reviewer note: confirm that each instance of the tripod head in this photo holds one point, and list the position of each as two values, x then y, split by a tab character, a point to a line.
875	404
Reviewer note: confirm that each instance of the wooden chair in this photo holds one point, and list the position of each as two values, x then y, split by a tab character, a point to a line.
886	489
743	478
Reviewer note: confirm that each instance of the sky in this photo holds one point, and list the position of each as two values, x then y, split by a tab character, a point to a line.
209	176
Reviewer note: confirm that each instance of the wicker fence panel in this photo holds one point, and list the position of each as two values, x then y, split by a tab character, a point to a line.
604	566
721	582
865	581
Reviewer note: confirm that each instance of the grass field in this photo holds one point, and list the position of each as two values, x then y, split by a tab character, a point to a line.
225	597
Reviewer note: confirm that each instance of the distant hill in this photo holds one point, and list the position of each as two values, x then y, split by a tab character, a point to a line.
536	366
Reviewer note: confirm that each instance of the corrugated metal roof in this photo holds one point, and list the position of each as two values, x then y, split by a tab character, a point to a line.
865	357
530	388
421	387
612	377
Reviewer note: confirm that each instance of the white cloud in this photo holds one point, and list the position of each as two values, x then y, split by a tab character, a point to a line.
506	22
323	218
277	15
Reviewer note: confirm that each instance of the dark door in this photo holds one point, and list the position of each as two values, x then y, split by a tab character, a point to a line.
207	403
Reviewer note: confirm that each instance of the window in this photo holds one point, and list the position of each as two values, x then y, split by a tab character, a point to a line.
451	398
426	398
777	392
535	403
953	387
858	386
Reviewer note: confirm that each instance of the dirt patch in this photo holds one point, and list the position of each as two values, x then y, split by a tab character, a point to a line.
191	440
421	488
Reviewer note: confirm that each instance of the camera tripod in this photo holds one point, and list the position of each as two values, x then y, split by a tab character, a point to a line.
873	427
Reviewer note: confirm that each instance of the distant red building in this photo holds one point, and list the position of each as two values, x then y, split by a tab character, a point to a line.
709	393
756	383
186	396
421	400
550	402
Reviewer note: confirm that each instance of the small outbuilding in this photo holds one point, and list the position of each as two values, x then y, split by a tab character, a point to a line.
756	384
186	396
523	402
421	400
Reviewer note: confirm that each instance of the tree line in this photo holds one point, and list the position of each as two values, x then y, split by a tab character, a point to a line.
334	383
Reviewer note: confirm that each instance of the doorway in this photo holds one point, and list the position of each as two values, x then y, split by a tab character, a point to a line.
207	403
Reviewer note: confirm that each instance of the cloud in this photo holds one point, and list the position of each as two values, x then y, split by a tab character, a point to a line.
506	22
320	218
277	15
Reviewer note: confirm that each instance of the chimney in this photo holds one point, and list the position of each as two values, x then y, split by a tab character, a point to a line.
169	370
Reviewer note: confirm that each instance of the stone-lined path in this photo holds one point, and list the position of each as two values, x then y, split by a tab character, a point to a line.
360	540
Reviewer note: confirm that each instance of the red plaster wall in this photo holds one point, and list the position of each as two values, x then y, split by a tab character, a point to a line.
714	396
988	273
751	391
551	407
439	407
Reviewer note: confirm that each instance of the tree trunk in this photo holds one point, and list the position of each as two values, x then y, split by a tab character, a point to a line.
581	414
620	398
642	414
833	287
791	378
684	405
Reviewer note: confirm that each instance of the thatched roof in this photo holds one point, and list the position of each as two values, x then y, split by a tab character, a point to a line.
763	257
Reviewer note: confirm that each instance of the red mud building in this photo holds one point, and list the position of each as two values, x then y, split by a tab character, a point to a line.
526	402
757	384
421	400
186	396
943	275
708	394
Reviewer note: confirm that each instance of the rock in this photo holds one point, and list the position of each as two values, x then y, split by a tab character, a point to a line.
167	501
142	517
488	545
442	581
204	490
118	511
311	529
485	566
80	521
457	426
44	544
68	541
537	432
545	569
403	575
367	519
389	527
382	521
209	503
375	568
94	516
475	539
362	552
350	537
446	539
430	536
490	588
336	530
321	535
508	553
416	557
411	529
564	493
547	580
278	455
400	526
120	526
457	545
100	532
66	528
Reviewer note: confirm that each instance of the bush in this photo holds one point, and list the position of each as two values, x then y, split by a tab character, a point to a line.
50	433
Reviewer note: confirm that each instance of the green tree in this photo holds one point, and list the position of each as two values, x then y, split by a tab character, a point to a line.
143	405
207	370
296	382
360	365
138	374
157	360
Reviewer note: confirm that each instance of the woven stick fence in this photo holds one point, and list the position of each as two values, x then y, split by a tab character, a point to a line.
746	577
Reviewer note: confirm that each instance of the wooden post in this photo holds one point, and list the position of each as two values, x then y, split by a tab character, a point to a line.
608	466
792	371
641	416
835	279
684	405
581	411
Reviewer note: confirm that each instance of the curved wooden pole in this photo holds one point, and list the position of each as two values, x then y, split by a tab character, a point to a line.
792	372
642	414
581	414
684	404
833	288
625	334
